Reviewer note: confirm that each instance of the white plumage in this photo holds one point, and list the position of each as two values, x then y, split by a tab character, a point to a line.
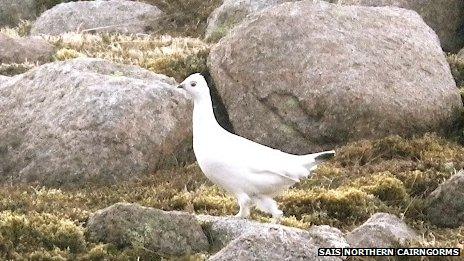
252	172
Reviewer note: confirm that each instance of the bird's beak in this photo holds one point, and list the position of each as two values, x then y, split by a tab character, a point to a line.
180	86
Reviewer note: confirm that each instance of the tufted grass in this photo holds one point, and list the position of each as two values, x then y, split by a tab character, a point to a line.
177	57
391	174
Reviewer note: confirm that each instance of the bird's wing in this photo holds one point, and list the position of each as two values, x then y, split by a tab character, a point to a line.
260	159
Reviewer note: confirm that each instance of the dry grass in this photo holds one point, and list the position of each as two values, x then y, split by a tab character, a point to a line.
177	57
391	174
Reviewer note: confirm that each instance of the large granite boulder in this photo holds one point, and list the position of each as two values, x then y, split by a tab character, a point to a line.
223	230
83	120
381	230
446	203
29	49
306	76
272	243
231	13
446	17
131	225
118	16
13	11
3	79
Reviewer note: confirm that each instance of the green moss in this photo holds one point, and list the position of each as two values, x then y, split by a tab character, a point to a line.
335	206
212	200
386	187
37	232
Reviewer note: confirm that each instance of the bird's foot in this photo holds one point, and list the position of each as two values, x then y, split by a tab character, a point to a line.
241	215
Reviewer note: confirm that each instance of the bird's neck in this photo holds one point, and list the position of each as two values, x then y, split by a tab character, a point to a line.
203	116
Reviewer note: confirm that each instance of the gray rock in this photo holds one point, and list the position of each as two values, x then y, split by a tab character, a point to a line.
118	16
271	243
446	17
328	237
223	230
381	230
461	54
306	76
131	225
231	13
20	50
13	11
3	79
446	203
89	120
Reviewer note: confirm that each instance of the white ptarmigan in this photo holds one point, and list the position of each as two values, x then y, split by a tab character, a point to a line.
252	172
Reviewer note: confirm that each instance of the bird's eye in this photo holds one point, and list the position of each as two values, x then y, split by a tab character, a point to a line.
193	84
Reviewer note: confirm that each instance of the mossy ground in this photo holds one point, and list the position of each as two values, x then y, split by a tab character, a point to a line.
392	175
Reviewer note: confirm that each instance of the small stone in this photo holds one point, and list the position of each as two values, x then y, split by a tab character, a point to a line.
381	230
446	203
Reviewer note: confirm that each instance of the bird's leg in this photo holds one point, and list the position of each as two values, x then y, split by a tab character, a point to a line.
269	206
244	202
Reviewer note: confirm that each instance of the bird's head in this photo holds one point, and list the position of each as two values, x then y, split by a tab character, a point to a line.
196	86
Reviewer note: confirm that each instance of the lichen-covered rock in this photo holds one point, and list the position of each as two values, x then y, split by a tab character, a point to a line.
13	11
131	225
306	76
118	16
446	203
89	120
381	230
271	243
223	230
29	49
446	17
231	13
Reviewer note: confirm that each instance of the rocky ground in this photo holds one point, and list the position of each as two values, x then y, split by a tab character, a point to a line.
95	145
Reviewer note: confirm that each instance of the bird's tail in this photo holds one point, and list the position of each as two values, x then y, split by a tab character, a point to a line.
323	156
312	160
